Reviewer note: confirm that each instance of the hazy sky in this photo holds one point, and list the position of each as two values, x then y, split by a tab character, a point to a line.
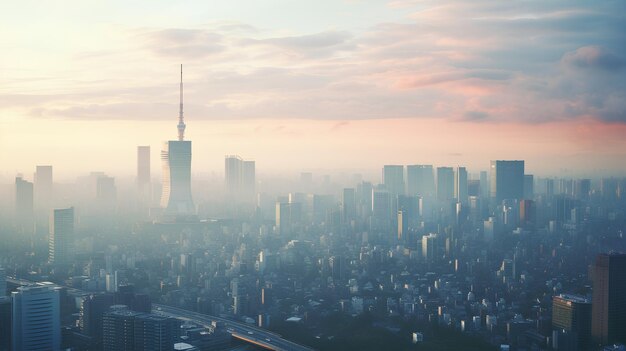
314	84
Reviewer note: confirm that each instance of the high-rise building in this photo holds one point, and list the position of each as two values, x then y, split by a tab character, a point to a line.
176	156
3	282
143	165
507	180
364	199
288	216
61	240
393	179
248	180
445	183
484	185
5	323
403	225
233	165
348	204
582	189
155	333
43	193
571	318
460	185
411	206
381	209
106	193
36	318
144	187
420	180
608	324
240	177
529	186
527	213
24	206
609	188
118	329
91	311
429	247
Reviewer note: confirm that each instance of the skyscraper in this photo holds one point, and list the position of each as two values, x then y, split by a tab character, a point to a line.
3	282
43	193
155	333
571	317
24	208
609	299
91	311
529	186
5	323
460	185
106	193
348	203
36	320
429	247
393	178
144	190
240	178
445	183
420	180
381	209
248	180
176	156
61	241
507	180
143	165
118	329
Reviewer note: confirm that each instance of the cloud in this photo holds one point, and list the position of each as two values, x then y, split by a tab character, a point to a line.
178	42
485	60
594	57
476	115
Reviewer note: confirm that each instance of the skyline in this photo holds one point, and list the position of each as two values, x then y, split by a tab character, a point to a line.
402	82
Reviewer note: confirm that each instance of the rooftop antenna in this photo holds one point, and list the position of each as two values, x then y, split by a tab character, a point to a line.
181	122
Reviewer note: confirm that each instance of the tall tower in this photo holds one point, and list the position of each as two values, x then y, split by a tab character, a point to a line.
143	165
61	241
445	183
393	178
176	157
24	208
460	185
36	319
240	179
144	190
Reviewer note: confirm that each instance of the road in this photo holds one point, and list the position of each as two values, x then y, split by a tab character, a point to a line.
242	331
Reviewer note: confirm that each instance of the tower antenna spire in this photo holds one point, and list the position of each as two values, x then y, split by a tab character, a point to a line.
181	122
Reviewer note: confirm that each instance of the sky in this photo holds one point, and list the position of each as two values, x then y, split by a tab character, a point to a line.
302	85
